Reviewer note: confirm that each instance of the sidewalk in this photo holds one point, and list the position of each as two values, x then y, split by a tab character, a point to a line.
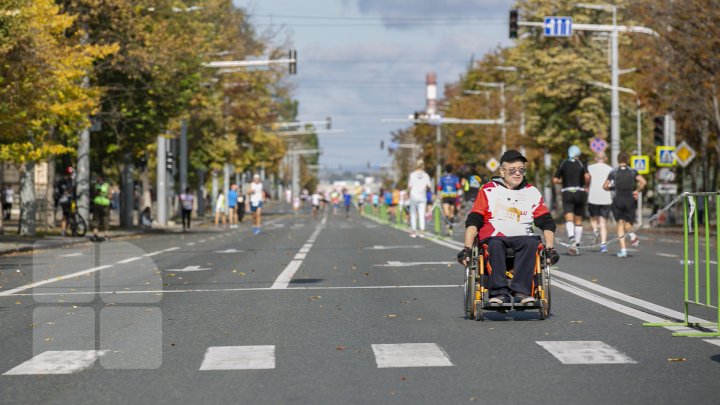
11	242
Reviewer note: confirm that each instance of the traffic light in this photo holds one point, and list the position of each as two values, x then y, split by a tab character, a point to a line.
292	55
513	24
659	130
329	123
170	161
382	145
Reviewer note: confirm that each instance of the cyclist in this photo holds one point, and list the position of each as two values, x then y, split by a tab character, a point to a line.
448	186
502	216
627	184
102	210
574	177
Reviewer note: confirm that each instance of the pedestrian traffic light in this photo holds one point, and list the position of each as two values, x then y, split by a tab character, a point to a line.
513	24
170	161
293	62
659	130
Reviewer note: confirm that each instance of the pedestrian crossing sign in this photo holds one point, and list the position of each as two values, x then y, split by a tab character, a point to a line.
492	164
665	156
641	163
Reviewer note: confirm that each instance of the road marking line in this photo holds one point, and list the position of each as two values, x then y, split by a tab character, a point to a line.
666	255
72	255
283	280
130	260
410	355
58	362
220	290
190	243
381	247
304	250
153	253
715	342
300	256
406	264
229	251
52	280
171	249
239	358
585	352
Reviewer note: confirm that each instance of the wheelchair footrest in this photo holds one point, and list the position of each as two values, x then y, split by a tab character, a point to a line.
511	306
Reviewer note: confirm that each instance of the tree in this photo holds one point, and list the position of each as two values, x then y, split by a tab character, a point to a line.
41	89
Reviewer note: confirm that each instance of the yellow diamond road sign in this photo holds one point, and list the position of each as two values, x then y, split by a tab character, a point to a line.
684	154
492	164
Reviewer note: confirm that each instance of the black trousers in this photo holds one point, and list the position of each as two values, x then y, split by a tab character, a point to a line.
525	247
186	216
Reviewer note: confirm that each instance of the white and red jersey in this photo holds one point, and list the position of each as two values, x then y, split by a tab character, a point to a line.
508	212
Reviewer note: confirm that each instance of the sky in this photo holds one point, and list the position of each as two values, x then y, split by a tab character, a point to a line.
360	61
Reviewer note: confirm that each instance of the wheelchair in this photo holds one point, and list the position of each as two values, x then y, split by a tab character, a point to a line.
477	293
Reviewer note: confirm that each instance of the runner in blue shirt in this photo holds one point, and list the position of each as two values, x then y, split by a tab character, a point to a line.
449	186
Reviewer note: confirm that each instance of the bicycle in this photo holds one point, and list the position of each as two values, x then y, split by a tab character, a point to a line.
77	224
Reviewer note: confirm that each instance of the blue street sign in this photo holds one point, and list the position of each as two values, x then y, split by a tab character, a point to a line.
558	26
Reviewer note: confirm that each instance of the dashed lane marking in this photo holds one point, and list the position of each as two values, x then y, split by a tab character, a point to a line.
410	355
58	362
585	352
407	264
239	358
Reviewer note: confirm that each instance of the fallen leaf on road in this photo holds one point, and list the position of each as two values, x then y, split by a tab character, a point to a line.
366	274
341	348
677	359
418	319
241	273
315	297
403	378
234	271
18	302
404	302
49	339
449	265
391	316
594	280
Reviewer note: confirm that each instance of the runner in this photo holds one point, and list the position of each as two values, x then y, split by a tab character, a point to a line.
627	184
315	200
599	200
257	196
232	205
449	186
418	186
347	201
220	209
574	177
186	201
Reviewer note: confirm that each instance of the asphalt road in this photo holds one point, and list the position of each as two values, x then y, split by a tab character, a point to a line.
336	310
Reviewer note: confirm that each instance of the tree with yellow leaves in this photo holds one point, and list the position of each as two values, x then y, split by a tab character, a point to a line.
41	89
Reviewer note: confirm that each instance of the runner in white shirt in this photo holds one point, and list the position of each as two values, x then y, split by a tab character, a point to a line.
599	200
257	196
418	185
315	201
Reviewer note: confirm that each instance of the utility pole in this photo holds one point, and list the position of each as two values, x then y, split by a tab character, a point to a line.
161	181
183	155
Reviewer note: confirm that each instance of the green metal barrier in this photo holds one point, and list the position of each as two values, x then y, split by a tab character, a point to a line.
437	220
383	213
694	279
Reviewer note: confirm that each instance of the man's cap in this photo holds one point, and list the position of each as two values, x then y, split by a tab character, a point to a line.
512	155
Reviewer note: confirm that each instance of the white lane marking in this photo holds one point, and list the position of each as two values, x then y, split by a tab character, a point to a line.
283	280
670	241
54	279
715	342
151	254
171	249
667	255
72	255
406	264
202	241
220	290
381	247
190	243
300	256
189	268
307	246
304	250
58	362
585	352
130	260
692	262
229	251
239	358
635	313
410	355
624	297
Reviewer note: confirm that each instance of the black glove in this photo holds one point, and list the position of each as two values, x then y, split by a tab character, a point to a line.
552	255
464	255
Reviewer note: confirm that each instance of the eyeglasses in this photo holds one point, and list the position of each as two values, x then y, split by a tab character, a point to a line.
513	170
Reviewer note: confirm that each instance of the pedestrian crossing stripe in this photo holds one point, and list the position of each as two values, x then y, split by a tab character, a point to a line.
585	352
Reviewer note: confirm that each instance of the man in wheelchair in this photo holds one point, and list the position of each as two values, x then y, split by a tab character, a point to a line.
502	217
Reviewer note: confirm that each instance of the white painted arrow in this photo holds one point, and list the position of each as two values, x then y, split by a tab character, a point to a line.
189	268
406	264
381	247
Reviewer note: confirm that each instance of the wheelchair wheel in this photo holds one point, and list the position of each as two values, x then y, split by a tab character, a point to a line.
470	289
